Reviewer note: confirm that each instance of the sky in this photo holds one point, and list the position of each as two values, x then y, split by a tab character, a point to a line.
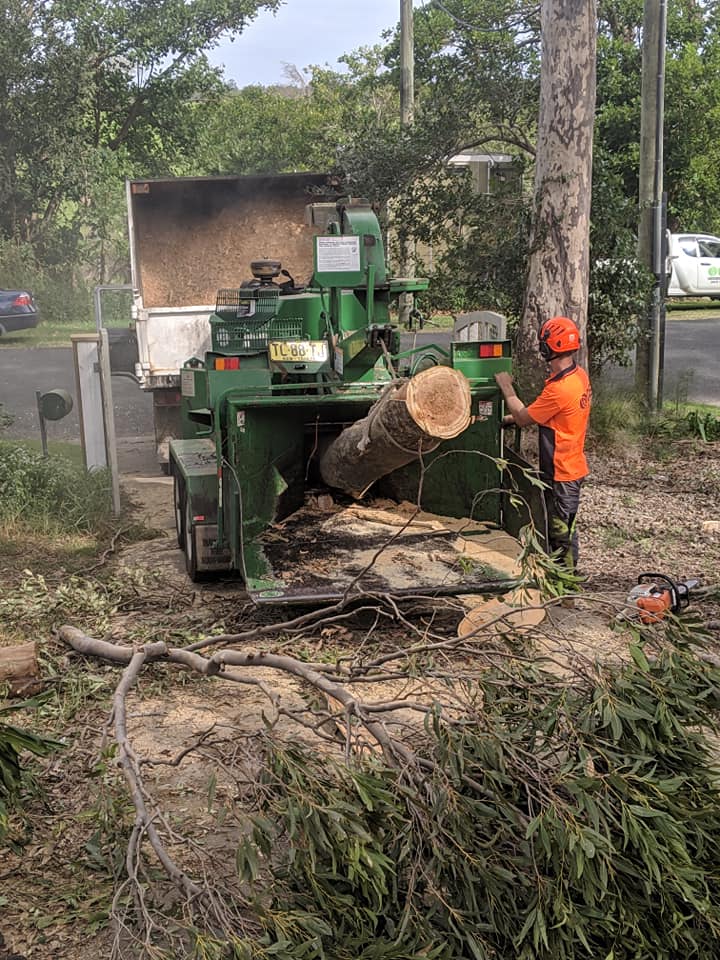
304	32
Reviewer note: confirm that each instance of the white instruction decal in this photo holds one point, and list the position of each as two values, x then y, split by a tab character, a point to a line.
338	254
187	383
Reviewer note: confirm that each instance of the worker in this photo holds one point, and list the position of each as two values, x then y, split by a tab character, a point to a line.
561	412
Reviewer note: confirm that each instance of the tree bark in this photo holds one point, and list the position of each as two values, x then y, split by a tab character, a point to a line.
19	668
405	423
558	269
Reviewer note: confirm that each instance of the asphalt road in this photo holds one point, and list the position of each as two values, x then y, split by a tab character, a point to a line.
25	371
691	368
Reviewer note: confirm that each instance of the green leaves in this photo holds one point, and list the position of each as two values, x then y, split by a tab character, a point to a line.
15	741
555	822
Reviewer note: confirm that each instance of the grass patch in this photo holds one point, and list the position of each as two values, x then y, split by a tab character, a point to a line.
47	334
615	418
618	419
56	448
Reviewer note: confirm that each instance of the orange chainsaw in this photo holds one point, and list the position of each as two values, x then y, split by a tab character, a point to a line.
656	595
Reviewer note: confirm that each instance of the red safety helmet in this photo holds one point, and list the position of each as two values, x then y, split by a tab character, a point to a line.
558	335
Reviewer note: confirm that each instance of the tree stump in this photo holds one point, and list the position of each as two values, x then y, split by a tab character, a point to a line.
19	669
406	422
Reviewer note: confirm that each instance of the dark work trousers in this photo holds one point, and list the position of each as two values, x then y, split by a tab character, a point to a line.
562	500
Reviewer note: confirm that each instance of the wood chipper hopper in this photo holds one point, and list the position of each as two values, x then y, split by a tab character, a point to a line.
312	440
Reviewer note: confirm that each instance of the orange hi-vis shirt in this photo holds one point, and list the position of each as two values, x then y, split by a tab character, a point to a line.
562	411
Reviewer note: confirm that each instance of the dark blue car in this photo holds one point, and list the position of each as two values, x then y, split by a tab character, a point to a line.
17	311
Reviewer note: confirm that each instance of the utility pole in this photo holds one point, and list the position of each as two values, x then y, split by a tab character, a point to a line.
651	234
407	105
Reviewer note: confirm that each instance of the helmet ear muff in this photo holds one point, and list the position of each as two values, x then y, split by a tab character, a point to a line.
558	336
545	351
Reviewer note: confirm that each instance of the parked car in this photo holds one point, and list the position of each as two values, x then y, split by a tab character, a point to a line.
693	265
18	311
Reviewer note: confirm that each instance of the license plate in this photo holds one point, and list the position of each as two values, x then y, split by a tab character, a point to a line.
298	351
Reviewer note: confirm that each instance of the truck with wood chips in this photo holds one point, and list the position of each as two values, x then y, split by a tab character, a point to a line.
311	454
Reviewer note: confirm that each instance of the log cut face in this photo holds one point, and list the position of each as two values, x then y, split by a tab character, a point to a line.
19	670
406	422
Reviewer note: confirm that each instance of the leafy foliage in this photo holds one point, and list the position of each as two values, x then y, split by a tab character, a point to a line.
705	425
618	294
557	821
51	491
91	92
13	742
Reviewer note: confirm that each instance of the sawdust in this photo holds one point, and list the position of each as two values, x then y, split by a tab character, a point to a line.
196	238
390	551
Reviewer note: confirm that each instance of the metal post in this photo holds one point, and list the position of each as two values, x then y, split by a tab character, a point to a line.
650	241
43	426
658	314
407	106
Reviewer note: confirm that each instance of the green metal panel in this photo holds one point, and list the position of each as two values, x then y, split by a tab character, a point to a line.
351	254
195	462
269	442
461	478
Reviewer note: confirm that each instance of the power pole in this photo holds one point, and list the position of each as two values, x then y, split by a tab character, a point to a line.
407	106
651	232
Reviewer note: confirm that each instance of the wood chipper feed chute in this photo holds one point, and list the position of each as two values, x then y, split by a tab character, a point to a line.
308	388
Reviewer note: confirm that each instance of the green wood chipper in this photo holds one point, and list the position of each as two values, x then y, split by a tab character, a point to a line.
306	403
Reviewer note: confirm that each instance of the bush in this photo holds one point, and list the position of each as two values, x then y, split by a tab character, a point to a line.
617	297
51	492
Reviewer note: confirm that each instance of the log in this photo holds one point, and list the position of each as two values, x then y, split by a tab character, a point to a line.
406	422
19	669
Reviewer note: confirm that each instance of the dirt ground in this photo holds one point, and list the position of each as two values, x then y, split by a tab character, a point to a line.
642	510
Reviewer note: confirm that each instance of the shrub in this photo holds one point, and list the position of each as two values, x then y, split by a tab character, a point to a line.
51	492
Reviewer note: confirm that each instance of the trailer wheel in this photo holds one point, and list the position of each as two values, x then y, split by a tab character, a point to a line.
179	504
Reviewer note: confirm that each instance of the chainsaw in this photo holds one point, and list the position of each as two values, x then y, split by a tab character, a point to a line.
655	595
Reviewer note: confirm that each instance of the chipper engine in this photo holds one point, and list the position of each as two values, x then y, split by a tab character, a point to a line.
306	404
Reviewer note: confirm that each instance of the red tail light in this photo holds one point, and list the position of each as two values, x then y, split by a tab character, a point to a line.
491	350
23	300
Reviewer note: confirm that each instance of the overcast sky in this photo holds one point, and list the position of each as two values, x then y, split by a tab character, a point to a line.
304	32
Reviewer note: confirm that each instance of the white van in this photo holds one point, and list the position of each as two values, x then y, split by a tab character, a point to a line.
693	265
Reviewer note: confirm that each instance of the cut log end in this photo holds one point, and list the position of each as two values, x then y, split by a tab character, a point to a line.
19	669
438	400
403	425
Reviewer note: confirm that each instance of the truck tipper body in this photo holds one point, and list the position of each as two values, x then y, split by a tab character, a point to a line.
190	237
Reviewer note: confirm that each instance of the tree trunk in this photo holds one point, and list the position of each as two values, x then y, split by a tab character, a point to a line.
558	269
19	668
406	422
